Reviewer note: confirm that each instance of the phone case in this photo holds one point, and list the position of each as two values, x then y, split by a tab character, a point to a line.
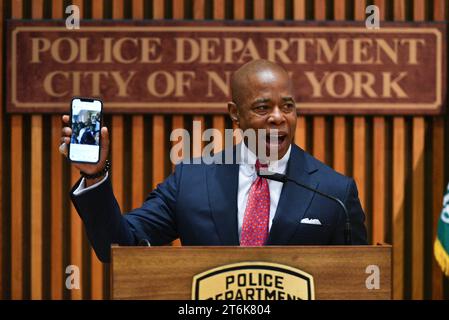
101	125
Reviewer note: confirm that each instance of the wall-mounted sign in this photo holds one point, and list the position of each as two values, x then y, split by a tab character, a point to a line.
167	66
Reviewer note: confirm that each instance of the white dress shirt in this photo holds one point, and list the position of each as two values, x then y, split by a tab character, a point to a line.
247	175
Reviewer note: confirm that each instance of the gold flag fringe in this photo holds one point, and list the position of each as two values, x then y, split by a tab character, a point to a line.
441	256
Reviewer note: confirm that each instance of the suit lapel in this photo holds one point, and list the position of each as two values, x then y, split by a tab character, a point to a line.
222	183
294	200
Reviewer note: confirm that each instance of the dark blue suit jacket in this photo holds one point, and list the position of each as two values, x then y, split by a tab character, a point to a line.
198	204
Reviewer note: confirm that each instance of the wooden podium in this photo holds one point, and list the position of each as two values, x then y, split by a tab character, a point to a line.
330	272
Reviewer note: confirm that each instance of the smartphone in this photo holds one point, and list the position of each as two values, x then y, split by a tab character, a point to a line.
86	123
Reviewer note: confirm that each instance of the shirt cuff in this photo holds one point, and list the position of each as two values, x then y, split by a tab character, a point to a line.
82	186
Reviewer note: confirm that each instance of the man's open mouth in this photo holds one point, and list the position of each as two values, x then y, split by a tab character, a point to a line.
276	139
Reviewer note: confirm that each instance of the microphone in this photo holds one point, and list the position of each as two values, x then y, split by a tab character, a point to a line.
144	243
283	178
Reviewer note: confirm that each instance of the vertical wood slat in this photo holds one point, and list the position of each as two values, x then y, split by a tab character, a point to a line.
359	132
438	174
218	121
239	10
259	9
96	267
399	10
418	187
418	208
198	9
299	13
219	9
197	131
137	9
359	157
178	120
379	166
158	9
178	123
238	14
117	133
16	190
398	206
56	249
137	161
319	138
398	198
36	188
301	133
76	241
279	10
437	194
379	195
97	9
198	144
279	14
178	9
76	226
299	9
16	208
319	122
159	151
339	137
137	137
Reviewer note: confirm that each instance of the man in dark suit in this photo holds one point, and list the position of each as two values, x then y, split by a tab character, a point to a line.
228	204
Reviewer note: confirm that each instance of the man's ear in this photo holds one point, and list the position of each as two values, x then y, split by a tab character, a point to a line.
233	111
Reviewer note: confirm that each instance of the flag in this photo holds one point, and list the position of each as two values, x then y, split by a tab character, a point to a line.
441	245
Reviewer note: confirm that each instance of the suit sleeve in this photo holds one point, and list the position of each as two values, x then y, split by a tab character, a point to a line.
356	215
105	225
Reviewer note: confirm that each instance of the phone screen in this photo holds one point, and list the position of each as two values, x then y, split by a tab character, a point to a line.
86	125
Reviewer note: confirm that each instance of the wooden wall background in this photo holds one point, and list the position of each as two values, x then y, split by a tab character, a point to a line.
399	163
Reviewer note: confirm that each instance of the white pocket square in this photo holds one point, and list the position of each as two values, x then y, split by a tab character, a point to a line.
311	221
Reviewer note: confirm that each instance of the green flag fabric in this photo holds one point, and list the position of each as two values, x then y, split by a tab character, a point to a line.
441	246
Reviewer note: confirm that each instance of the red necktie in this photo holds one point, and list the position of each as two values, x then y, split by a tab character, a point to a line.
257	213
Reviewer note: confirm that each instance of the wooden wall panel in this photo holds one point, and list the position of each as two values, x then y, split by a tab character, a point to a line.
117	133
398	214
76	226
36	191
356	145
438	173
379	166
218	121
419	127
339	139
319	122
159	150
359	133
96	267
398	206
17	221
299	13
137	136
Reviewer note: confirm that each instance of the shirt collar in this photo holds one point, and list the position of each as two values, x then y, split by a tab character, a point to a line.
248	161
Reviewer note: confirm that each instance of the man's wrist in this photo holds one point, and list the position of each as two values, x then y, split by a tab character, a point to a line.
98	175
91	182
